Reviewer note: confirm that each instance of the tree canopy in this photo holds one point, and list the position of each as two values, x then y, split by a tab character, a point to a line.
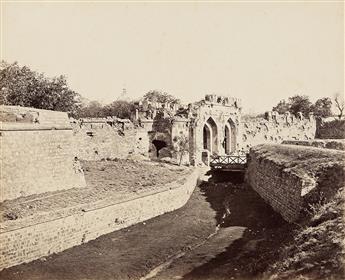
160	96
24	87
301	103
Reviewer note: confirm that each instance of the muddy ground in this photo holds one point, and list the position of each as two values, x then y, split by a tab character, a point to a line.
225	231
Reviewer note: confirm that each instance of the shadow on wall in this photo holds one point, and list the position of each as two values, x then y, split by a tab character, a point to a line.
237	205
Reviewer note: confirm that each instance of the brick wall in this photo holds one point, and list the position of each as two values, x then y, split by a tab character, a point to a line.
36	155
21	242
289	177
101	141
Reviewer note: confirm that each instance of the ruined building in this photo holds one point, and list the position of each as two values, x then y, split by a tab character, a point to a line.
213	126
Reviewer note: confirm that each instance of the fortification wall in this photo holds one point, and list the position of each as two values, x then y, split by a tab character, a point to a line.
96	141
289	177
36	153
336	144
330	129
22	242
275	129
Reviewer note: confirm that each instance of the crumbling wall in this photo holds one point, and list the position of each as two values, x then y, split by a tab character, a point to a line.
36	152
289	177
102	140
274	128
330	129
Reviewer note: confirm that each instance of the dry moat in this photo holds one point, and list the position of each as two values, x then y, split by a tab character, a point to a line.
225	231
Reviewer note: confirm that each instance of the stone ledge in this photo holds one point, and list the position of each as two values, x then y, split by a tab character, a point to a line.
336	144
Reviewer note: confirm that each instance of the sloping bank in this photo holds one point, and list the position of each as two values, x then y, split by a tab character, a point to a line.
23	242
306	186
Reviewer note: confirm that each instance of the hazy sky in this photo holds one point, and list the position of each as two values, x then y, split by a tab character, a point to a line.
260	52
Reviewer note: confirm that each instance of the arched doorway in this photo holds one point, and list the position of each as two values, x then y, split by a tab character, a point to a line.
159	144
210	136
229	137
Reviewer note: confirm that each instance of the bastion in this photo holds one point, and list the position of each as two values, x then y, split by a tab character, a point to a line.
36	152
290	177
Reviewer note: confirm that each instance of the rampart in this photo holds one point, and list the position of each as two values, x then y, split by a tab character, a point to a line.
24	240
275	128
36	152
289	177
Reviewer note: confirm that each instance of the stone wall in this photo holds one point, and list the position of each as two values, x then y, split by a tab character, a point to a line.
336	144
101	140
331	129
289	177
22	242
36	152
275	129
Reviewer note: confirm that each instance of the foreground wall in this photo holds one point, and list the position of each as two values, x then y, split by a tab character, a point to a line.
36	152
289	177
57	232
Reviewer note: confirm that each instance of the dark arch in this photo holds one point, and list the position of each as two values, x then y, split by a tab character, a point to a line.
159	144
210	136
230	137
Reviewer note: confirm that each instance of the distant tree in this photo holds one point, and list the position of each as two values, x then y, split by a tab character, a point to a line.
93	109
340	104
300	103
323	107
282	107
119	108
159	96
24	87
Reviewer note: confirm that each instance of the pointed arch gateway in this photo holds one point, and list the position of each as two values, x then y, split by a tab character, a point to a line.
210	136
230	137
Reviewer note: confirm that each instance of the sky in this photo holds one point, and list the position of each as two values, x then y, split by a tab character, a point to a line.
261	52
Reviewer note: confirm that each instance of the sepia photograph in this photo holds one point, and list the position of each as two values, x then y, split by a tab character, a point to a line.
164	140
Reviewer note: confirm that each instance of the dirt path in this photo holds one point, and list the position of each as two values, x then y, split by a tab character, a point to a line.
176	245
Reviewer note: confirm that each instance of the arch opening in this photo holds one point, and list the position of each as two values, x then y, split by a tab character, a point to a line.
210	136
159	144
229	137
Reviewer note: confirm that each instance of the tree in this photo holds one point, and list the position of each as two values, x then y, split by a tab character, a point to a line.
181	146
119	108
340	104
300	103
93	109
160	96
282	107
24	87
323	107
